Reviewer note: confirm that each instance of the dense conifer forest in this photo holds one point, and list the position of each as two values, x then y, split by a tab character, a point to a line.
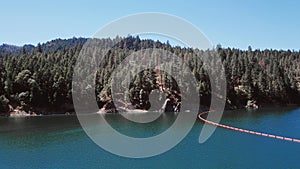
39	78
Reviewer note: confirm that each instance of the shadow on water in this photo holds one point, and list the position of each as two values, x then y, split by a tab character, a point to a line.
141	130
37	123
27	132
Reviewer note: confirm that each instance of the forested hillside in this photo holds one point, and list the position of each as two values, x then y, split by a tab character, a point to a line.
39	78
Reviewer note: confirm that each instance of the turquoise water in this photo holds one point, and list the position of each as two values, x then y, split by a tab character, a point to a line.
59	142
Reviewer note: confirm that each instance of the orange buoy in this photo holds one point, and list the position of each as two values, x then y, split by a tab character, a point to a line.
245	131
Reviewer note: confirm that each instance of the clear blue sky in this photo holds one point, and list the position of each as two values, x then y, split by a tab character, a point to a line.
234	23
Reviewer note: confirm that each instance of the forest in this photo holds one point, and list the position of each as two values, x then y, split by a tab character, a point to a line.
39	78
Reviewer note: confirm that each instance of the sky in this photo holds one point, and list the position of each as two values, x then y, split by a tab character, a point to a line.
231	23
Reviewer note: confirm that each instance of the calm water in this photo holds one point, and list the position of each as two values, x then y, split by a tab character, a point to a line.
59	142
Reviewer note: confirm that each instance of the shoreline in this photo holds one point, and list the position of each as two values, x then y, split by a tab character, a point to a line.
21	114
39	115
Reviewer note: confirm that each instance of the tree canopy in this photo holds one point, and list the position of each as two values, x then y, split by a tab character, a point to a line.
40	78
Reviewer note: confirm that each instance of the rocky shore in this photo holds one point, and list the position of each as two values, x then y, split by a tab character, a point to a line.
18	112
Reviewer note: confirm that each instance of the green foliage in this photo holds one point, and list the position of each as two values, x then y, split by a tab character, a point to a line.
3	105
41	77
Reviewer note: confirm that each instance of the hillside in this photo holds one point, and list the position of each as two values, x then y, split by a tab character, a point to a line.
39	78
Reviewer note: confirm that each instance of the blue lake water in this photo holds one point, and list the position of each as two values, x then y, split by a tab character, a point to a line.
60	142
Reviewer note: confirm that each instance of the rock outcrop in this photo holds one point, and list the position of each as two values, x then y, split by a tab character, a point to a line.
20	112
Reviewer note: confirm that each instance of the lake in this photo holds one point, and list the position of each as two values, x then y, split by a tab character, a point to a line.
60	142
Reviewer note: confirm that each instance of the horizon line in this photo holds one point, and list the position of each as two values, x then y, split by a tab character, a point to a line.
147	38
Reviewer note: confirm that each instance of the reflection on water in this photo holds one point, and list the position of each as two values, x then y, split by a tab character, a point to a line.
30	132
141	130
59	142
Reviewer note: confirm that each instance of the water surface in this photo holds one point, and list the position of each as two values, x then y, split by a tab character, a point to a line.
59	142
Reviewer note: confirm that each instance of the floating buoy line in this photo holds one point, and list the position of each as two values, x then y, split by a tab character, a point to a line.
245	131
